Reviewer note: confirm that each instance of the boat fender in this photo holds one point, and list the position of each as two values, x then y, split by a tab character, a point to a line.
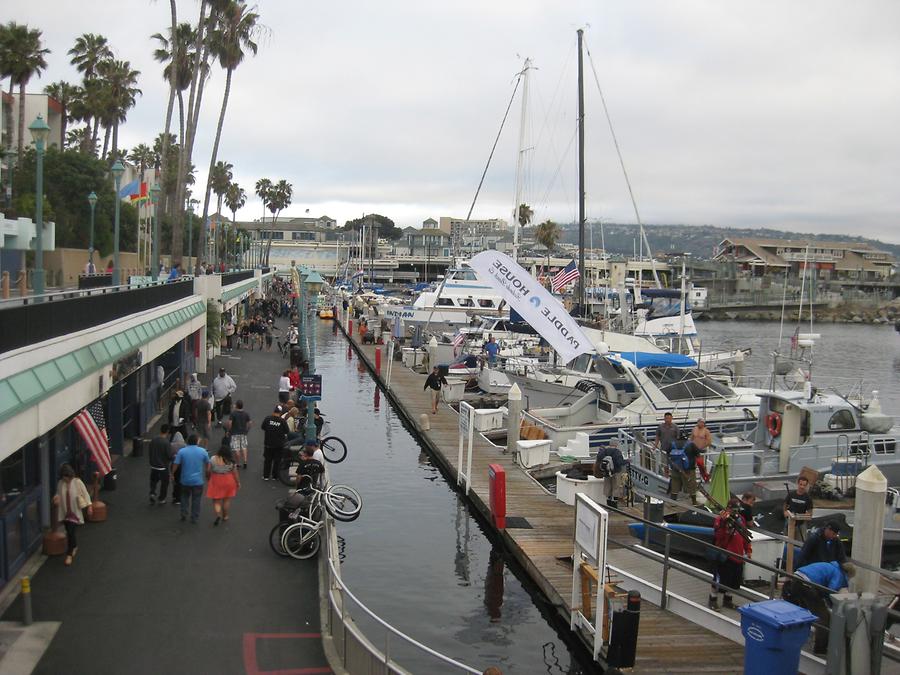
773	424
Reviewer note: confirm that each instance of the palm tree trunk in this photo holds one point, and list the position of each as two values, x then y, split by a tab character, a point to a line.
184	156
94	134
177	230
215	149
105	142
115	139
65	115
21	143
271	234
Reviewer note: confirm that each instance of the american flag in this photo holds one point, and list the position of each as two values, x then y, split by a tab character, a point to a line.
458	339
91	424
566	275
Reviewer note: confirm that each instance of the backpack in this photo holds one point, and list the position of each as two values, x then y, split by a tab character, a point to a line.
678	458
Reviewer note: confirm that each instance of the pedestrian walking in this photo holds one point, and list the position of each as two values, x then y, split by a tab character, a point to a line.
194	463
177	444
702	440
275	432
70	499
238	426
434	382
194	393
177	413
204	416
159	465
224	481
229	334
222	388
284	387
611	466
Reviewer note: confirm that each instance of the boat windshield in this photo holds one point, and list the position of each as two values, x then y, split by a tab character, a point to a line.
687	384
662	307
462	275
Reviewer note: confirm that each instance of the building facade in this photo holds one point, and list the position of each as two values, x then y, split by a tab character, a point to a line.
831	260
459	229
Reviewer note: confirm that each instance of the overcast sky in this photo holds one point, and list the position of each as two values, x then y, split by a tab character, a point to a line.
770	113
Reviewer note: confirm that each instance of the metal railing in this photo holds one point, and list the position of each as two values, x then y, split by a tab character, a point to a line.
355	648
669	563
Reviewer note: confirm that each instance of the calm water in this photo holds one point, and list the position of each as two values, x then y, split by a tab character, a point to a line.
417	556
846	353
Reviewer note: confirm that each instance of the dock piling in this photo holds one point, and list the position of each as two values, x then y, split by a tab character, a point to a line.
514	414
868	532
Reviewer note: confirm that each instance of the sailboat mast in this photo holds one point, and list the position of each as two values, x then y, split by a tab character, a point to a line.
580	173
520	159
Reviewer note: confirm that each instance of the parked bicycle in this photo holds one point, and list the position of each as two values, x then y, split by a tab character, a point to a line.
333	448
297	534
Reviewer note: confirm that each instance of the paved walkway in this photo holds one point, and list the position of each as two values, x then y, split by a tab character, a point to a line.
150	594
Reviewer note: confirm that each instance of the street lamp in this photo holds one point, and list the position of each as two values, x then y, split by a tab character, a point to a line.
40	132
154	259
11	156
92	200
313	282
117	169
302	271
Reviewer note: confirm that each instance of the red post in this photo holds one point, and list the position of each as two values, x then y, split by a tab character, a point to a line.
350	328
497	483
378	360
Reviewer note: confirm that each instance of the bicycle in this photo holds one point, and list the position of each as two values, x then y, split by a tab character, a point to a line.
297	533
333	448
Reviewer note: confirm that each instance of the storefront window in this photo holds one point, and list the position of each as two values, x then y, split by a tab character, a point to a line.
12	475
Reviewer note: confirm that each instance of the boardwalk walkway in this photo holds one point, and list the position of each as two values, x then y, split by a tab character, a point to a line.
666	644
150	594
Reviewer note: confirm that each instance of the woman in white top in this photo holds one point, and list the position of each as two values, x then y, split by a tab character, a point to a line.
71	497
284	387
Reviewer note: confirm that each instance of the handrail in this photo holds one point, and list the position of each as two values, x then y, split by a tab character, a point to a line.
335	582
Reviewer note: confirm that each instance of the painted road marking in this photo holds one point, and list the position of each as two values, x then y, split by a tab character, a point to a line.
252	668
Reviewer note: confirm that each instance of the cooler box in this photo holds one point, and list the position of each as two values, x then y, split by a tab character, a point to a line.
533	453
412	358
487	419
453	391
774	633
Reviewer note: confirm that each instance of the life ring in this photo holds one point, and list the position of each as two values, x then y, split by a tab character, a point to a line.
773	424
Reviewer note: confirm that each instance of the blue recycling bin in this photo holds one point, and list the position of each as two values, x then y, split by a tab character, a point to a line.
774	633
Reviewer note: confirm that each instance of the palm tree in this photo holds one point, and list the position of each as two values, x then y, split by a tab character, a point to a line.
547	234
22	58
89	52
263	185
119	96
233	32
220	178
235	198
143	157
278	198
524	215
80	137
66	94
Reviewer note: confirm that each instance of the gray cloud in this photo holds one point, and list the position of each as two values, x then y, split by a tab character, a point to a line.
768	113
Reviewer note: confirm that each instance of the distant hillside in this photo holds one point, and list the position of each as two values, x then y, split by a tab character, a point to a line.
698	240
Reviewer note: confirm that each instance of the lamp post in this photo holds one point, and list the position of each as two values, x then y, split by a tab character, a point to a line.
191	204
92	200
302	311
116	170
154	259
40	131
313	282
11	156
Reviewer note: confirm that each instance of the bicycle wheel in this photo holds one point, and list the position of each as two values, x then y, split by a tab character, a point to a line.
334	449
275	539
343	503
301	540
287	472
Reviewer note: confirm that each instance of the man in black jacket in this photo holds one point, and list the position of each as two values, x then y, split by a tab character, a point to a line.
159	465
823	545
275	432
434	381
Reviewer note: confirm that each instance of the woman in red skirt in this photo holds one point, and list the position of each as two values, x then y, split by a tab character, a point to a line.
224	481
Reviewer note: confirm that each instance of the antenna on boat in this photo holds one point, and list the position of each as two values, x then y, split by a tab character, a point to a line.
520	158
580	173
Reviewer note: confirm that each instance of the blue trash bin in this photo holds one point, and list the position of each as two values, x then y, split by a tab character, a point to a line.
774	633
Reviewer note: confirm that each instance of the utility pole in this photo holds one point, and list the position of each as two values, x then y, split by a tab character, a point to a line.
580	173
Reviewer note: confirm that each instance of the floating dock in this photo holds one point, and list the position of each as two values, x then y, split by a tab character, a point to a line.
542	541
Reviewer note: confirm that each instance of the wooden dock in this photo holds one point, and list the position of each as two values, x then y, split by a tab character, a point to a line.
667	643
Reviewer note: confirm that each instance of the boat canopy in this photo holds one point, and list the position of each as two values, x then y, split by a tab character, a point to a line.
661	292
649	359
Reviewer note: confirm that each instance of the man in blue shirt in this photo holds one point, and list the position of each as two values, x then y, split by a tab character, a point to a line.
194	463
833	576
492	349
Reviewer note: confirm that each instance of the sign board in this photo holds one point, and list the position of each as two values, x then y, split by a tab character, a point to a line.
591	527
311	387
467	439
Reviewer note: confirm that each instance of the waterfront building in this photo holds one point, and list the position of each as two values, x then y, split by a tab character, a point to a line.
427	243
831	260
35	104
460	228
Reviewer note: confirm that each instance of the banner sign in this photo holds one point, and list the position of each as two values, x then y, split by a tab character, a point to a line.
533	302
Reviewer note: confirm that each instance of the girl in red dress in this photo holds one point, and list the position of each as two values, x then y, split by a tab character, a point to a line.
224	480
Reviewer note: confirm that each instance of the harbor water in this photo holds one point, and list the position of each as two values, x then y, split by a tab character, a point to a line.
417	556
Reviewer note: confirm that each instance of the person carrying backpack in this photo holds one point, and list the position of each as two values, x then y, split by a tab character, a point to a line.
683	469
